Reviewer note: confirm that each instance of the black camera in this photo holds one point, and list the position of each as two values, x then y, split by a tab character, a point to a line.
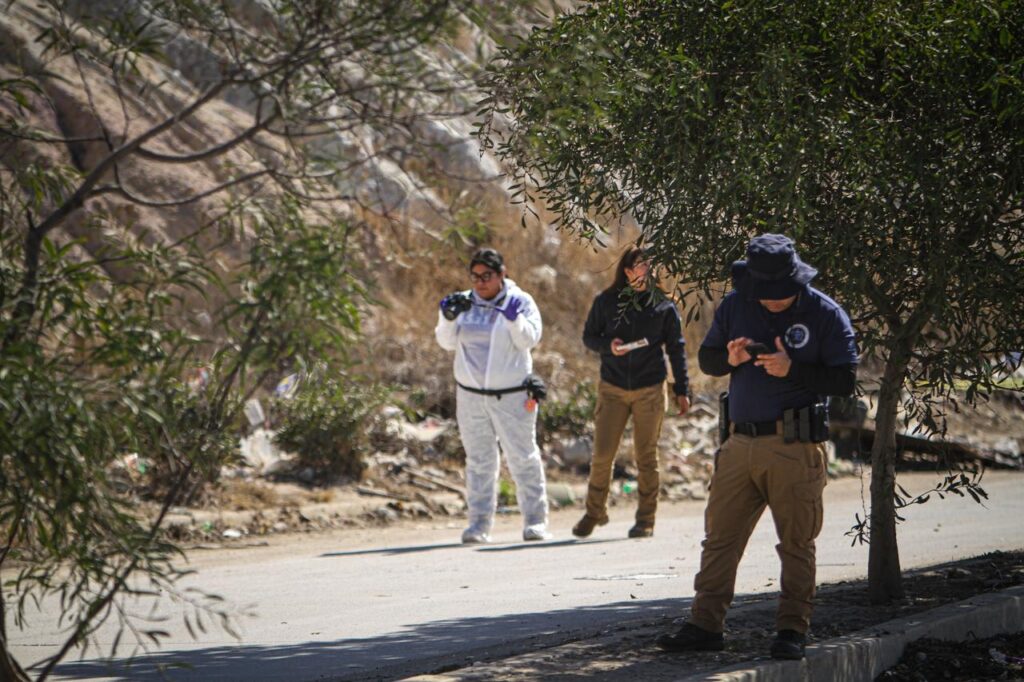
455	304
536	388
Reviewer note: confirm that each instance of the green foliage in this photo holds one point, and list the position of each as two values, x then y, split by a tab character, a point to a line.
98	375
961	481
572	416
96	336
467	229
330	424
93	377
300	293
886	138
506	493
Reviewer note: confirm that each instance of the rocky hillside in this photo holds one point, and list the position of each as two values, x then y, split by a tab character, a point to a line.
424	191
420	186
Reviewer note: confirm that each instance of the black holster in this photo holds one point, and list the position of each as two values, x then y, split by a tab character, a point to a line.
805	424
723	417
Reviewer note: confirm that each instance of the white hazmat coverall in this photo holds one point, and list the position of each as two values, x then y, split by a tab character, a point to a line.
493	353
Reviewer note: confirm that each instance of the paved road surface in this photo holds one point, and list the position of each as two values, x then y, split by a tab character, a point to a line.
381	604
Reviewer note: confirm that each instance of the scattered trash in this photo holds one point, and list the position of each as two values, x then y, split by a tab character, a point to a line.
259	452
287	387
999	657
418	470
198	379
133	463
695	490
574	451
561	494
425	431
254	412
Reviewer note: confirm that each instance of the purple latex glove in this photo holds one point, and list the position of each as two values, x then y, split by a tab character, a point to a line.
512	308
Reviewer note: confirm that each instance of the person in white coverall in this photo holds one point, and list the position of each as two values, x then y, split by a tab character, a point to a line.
492	328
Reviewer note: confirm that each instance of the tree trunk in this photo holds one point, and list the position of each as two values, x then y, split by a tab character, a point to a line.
9	668
885	581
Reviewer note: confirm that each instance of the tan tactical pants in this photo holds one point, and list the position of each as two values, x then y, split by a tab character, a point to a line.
751	473
614	408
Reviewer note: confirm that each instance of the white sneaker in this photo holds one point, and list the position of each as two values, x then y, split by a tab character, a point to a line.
475	536
538	531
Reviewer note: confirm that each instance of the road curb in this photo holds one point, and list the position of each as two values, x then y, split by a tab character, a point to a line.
864	655
858	657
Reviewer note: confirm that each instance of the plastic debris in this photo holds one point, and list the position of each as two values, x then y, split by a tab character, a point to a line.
259	452
254	412
287	387
198	379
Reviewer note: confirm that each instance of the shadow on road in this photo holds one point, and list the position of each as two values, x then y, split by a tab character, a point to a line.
540	545
422	648
515	547
389	551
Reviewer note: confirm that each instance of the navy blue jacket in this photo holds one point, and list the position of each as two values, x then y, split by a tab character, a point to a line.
818	337
658	323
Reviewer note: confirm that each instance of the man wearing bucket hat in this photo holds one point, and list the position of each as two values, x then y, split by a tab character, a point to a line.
785	347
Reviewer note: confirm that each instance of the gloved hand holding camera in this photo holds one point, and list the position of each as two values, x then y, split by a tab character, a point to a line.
454	305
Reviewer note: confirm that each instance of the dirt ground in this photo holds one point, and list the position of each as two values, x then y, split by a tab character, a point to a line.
627	651
422	480
995	658
397	490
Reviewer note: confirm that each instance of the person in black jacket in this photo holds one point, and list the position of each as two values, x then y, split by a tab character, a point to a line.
632	326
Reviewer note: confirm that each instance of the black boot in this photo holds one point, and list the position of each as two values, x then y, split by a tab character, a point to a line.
641	530
789	645
585	526
691	638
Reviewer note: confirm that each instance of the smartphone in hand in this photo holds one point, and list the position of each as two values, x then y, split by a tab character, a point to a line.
755	349
633	345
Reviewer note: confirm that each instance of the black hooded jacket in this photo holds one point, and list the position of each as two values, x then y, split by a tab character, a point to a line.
611	317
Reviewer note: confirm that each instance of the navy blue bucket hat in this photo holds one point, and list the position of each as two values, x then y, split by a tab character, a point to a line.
772	270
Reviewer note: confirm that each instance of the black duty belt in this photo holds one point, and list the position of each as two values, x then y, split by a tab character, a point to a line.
755	429
492	391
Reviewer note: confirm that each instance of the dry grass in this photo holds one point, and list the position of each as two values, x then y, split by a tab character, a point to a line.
240	495
400	336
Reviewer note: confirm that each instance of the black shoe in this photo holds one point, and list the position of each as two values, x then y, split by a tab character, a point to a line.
641	530
789	645
585	526
691	638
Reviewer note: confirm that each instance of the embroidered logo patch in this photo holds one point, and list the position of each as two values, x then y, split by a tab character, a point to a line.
797	336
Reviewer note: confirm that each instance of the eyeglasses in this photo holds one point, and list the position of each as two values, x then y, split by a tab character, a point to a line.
483	276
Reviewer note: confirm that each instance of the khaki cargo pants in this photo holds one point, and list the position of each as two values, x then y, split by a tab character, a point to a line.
614	407
751	473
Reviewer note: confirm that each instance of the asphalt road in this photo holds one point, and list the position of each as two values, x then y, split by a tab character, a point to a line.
382	604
